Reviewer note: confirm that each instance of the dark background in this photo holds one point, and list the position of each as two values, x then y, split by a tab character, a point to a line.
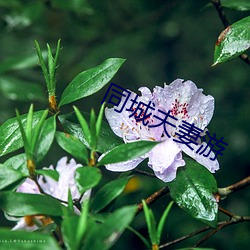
161	41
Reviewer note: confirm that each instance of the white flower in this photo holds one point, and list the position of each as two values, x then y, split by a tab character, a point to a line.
185	102
58	189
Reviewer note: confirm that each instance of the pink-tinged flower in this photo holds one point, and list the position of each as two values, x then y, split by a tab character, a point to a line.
186	103
58	189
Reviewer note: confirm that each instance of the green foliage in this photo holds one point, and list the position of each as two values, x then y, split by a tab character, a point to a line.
73	146
108	193
110	230
30	204
17	240
12	174
154	231
90	81
87	178
10	136
233	41
107	139
193	190
241	5
18	90
127	152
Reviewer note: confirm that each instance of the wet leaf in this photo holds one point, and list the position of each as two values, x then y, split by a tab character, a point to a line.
193	191
233	41
10	135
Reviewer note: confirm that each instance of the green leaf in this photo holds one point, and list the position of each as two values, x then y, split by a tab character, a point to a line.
108	193
99	121
241	5
69	230
87	177
143	239
73	146
193	191
92	128
8	176
162	221
106	234
233	41
90	81
16	240
46	138
107	139
20	204
151	223
127	152
53	174
19	63
84	125
10	136
195	248
18	162
19	90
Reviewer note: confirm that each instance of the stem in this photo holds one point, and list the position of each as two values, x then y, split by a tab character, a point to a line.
152	198
224	192
144	173
235	220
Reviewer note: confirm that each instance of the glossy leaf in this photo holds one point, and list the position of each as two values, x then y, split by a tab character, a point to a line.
73	146
18	162
20	204
193	191
53	174
46	137
10	136
108	193
127	152
233	41
107	138
105	235
90	81
87	177
16	240
241	5
8	176
19	90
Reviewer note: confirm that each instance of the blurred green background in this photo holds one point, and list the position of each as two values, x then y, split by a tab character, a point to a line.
162	41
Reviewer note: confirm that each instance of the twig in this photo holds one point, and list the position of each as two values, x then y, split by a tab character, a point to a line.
223	192
144	173
152	198
224	211
226	23
235	220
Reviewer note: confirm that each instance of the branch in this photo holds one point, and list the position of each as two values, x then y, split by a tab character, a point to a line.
152	198
223	192
226	23
235	220
144	173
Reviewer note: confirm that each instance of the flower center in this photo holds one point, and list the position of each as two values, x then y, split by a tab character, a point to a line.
179	110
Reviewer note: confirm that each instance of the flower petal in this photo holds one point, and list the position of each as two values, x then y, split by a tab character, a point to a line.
126	165
164	159
29	187
212	166
186	102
